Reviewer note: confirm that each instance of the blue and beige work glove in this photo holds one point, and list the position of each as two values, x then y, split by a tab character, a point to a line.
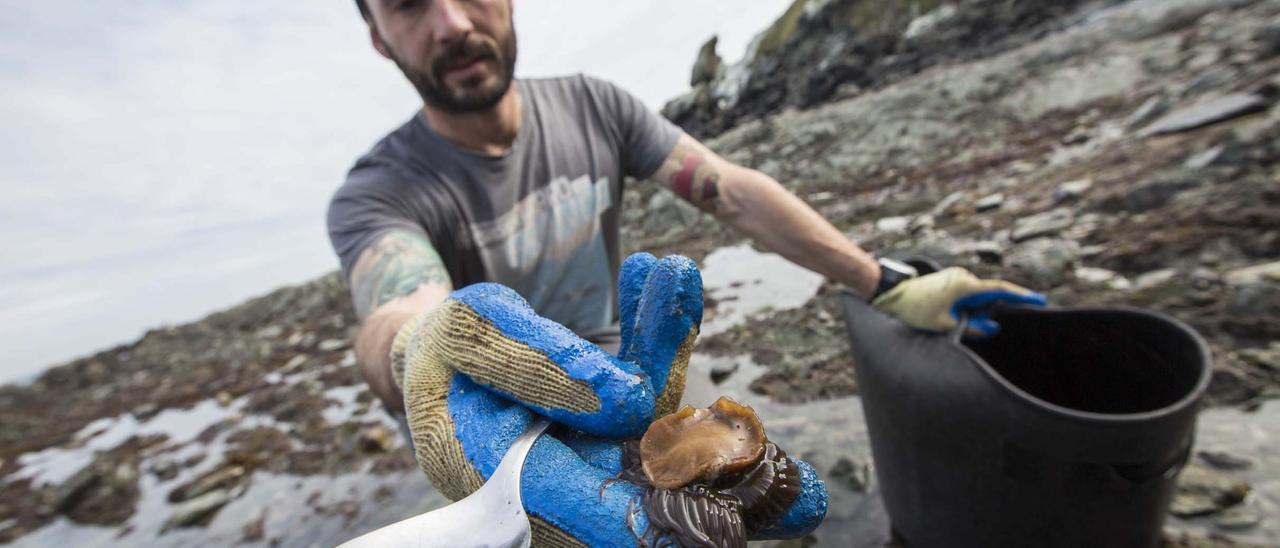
937	301
477	368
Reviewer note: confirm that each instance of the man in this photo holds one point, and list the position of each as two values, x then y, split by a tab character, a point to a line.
519	182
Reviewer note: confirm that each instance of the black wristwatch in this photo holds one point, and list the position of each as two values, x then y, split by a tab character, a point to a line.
892	273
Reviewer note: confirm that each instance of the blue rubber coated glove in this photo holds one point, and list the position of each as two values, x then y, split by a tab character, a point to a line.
476	369
935	302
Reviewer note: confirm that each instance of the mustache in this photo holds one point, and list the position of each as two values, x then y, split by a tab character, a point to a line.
468	49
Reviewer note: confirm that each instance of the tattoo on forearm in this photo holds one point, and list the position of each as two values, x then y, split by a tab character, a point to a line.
396	265
698	180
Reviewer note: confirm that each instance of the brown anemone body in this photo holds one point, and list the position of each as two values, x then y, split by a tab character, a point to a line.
711	476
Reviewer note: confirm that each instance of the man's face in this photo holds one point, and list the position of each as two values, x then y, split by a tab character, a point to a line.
459	54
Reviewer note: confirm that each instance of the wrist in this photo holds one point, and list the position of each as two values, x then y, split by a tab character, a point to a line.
892	273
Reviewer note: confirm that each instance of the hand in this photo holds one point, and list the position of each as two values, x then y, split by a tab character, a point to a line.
934	302
476	369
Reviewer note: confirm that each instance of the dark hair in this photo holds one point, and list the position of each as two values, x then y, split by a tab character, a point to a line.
364	10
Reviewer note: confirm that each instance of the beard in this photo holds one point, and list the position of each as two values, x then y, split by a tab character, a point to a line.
472	94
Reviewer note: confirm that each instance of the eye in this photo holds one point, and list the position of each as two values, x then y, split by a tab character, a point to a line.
406	5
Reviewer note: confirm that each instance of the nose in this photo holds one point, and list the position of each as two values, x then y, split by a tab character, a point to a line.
450	21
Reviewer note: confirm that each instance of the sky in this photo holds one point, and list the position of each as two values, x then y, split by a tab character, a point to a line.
162	159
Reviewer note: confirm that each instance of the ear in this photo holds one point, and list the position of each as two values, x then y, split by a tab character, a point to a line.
378	44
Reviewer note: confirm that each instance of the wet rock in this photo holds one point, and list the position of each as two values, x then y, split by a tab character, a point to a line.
200	510
1203	491
1268	38
378	439
331	345
1255	274
987	251
929	22
854	475
271	332
222	479
988	203
1238	518
1149	195
165	470
893	225
1072	190
104	493
1144	114
1155	279
946	205
1223	460
1046	262
1044	224
1101	277
1267	358
722	370
1205	113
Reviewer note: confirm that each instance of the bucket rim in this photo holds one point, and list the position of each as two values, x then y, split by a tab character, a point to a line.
1190	399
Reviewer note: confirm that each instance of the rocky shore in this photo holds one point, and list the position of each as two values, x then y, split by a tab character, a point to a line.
1101	152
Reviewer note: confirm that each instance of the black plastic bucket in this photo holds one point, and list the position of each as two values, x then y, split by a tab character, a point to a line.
1068	428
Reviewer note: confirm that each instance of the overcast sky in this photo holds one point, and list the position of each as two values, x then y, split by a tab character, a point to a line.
160	159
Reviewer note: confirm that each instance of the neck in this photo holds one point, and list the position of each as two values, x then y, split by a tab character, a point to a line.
490	131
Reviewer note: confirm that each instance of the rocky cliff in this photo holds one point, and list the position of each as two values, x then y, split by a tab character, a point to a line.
1102	152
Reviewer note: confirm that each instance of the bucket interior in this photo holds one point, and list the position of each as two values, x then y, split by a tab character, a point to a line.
1099	361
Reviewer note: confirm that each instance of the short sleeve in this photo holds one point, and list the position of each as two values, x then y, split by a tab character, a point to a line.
645	136
364	209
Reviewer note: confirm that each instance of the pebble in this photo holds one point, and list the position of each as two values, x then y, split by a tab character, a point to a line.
893	225
1071	190
988	203
1103	278
1043	224
1205	113
1154	279
188	513
721	371
1203	491
330	345
1223	460
1149	110
1237	518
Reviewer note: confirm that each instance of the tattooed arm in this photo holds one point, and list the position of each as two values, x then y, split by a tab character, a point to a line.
759	207
395	279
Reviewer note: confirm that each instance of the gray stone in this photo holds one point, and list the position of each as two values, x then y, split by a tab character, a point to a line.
271	332
722	370
1072	190
1204	159
987	251
929	22
1223	460
1156	278
1205	113
943	207
196	509
893	225
990	202
1149	110
1238	518
1101	277
854	475
1043	224
294	363
1255	273
330	345
1046	261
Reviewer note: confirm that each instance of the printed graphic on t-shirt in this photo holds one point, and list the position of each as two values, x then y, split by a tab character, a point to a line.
549	248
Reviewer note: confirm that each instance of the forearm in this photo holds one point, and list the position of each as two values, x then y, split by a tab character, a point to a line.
373	355
398	278
759	207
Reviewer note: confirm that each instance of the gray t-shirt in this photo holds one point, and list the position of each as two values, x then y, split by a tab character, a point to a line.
541	218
